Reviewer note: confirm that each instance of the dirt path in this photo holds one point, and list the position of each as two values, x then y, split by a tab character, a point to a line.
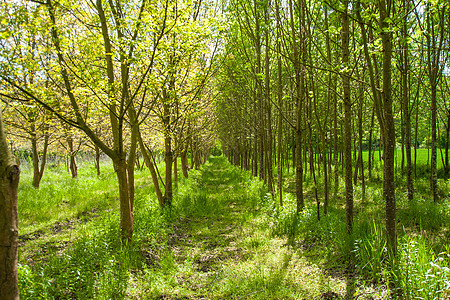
231	254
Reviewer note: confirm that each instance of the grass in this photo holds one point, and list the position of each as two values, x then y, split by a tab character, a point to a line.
225	237
62	197
423	244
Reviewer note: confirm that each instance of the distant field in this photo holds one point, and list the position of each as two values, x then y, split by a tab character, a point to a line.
423	156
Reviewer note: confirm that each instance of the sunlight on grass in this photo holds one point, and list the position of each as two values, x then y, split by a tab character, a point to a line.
224	237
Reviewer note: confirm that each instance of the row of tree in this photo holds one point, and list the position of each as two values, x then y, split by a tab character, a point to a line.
305	81
123	78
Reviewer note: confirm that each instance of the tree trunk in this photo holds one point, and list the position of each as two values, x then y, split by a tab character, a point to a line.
73	167
280	105
132	157
299	82
148	160
97	159
434	45
175	171
126	214
184	163
447	134
268	108
347	121
38	170
72	163
406	104
433	167
360	163
168	158
9	219
389	129
370	150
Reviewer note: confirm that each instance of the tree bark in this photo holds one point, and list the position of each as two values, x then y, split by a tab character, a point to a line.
38	170
184	163
447	135
347	120
406	100
72	163
9	219
434	47
268	107
168	156
280	105
389	127
299	86
97	159
175	171
149	162
126	213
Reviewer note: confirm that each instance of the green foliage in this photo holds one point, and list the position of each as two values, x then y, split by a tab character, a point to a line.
96	265
423	213
421	273
216	150
370	250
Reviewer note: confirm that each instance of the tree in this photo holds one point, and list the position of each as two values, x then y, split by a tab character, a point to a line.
9	219
85	85
385	12
435	21
347	118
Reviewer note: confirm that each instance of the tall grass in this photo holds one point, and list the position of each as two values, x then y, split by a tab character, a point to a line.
90	261
420	270
96	265
62	197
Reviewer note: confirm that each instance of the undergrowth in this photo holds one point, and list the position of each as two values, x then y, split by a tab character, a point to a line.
91	261
419	270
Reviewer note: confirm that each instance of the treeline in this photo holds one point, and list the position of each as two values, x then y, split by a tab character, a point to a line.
313	84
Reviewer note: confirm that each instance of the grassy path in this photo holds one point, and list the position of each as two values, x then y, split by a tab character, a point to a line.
216	243
225	250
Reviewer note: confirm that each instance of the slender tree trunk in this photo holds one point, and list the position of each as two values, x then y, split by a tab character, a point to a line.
149	162
416	133
447	135
72	162
389	128
168	157
9	219
184	163
335	145
36	173
406	101
132	156
38	170
433	167
97	159
280	105
299	82
347	120
360	163
126	214
268	107
370	150
175	171
434	45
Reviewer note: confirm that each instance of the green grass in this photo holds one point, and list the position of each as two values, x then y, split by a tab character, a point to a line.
423	157
224	237
61	197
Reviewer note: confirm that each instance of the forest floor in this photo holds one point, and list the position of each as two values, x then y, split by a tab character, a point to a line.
217	243
230	253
